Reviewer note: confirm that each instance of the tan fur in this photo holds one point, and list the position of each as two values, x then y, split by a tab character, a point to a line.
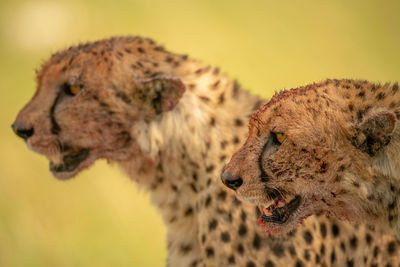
340	156
176	152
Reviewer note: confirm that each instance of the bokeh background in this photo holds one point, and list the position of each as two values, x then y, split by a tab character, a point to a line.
101	218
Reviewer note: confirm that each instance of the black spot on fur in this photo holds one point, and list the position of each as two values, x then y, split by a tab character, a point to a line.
308	237
360	114
221	195
215	85
256	241
335	230
231	259
242	229
189	211
238	122
350	263
353	242
333	256
395	88
376	251
240	249
216	71
322	228
250	264
292	251
210	252
204	98
351	107
380	96
278	250
368	238
212	121
139	64
212	225
391	248
235	89
223	144
243	216
225	237
317	259
341	168
322	250
221	98
342	246
306	254
210	168
186	248
208	201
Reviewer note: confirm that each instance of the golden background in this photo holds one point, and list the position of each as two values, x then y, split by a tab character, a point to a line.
101	218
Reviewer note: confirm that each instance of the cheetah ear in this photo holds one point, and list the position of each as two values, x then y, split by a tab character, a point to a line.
161	92
375	132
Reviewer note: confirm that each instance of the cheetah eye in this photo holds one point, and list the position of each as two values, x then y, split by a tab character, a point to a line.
279	138
72	90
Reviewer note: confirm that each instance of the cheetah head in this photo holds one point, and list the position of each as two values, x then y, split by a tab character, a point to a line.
90	100
302	158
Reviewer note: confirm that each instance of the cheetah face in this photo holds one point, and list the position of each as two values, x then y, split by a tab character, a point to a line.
86	107
307	155
285	165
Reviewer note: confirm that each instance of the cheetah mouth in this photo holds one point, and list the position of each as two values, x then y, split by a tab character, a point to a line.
280	210
69	164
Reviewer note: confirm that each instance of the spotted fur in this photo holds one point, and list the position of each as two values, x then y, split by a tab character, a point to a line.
171	123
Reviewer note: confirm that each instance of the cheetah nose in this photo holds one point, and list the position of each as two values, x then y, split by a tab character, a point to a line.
22	131
230	181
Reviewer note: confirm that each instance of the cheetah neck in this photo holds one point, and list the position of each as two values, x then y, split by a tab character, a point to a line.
189	147
192	143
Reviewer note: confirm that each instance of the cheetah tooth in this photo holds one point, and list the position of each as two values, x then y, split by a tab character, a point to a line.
290	198
56	159
281	204
269	203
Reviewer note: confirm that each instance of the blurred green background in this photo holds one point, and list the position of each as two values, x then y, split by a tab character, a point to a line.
101	218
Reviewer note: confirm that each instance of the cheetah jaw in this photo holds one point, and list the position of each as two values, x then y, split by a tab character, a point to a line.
70	164
278	211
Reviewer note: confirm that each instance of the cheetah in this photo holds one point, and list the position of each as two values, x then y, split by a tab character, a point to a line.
327	147
171	123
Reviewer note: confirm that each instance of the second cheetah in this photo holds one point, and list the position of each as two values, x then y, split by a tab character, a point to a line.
328	147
